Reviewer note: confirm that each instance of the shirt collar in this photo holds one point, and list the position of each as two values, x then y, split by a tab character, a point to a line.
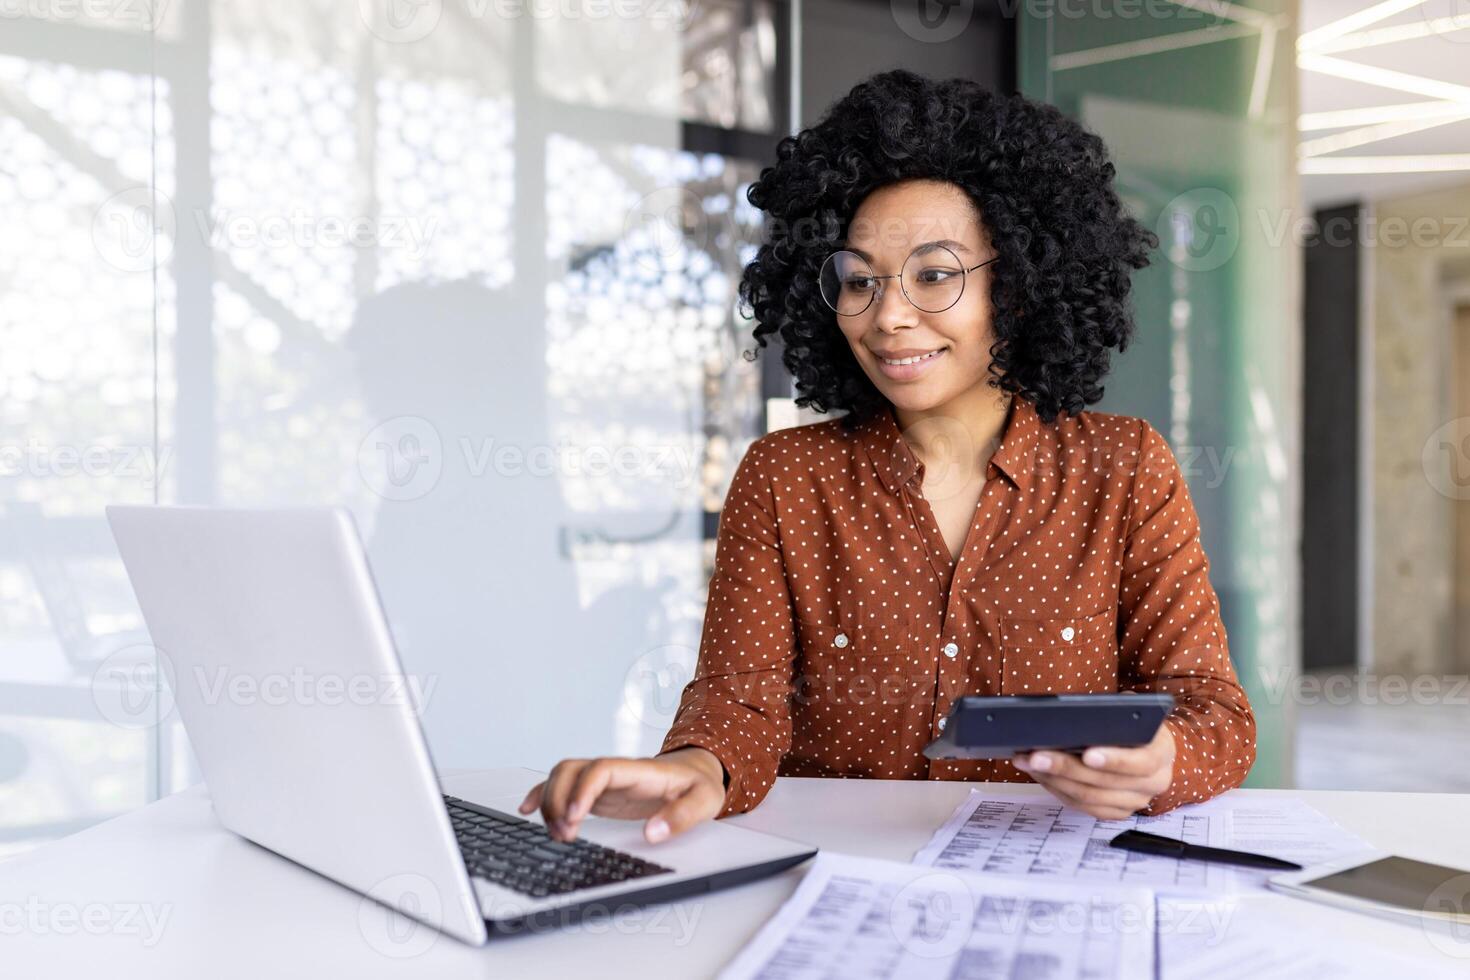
897	464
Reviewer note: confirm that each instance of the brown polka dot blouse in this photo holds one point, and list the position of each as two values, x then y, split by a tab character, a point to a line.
838	629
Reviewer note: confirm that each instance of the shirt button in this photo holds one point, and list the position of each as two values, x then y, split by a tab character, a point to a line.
941	723
950	649
841	640
1068	632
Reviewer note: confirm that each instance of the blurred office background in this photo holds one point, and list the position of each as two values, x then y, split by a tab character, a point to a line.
473	275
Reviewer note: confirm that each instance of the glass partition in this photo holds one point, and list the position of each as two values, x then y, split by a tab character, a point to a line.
467	268
1197	104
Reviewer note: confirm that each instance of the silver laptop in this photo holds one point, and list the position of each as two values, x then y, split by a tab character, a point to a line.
284	672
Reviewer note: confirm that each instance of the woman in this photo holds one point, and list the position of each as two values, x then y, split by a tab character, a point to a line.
950	267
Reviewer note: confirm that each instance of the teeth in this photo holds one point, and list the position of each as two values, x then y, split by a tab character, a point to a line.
912	360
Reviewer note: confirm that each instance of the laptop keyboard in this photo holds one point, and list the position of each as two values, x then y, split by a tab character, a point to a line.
519	854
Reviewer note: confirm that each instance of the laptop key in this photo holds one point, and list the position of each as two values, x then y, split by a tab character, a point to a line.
521	855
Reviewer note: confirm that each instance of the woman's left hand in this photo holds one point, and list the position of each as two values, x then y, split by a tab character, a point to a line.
1107	781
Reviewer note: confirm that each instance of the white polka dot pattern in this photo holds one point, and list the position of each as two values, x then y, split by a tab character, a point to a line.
834	601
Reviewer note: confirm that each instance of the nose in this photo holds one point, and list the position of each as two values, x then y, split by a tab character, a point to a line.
892	308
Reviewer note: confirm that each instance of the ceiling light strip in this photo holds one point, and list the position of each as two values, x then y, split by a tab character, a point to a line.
1147	46
1229	11
1421	164
1383	77
1411	31
1345	25
1309	122
1374	134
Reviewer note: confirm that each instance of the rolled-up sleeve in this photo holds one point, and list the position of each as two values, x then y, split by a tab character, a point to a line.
738	703
1172	637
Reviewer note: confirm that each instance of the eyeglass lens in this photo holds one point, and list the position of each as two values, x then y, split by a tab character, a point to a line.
932	278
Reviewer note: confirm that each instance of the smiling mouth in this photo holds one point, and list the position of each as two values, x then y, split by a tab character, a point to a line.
912	360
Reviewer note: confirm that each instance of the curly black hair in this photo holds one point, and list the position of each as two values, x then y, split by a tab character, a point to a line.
1043	187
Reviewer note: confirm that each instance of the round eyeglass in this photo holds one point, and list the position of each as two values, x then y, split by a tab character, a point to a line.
849	284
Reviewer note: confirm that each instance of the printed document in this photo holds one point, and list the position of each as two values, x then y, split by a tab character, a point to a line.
861	918
1043	839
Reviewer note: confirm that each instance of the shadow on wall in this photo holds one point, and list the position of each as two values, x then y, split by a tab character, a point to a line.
466	550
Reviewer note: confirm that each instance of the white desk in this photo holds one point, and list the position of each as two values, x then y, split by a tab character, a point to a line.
235	910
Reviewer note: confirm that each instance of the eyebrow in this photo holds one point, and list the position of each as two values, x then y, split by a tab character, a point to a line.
946	242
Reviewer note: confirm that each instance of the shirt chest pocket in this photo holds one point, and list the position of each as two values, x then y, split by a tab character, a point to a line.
853	659
1076	655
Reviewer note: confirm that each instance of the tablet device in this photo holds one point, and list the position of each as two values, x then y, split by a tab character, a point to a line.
1000	727
1386	884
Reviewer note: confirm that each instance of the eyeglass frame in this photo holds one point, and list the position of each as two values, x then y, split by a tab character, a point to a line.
899	276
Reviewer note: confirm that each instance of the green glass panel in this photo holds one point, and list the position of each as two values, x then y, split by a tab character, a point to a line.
1198	111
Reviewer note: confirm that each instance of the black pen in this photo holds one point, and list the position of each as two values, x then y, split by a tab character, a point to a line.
1146	843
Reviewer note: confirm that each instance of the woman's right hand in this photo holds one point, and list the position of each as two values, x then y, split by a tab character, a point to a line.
674	790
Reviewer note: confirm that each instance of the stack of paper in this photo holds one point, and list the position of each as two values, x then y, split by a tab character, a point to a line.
1035	838
1030	888
855	917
